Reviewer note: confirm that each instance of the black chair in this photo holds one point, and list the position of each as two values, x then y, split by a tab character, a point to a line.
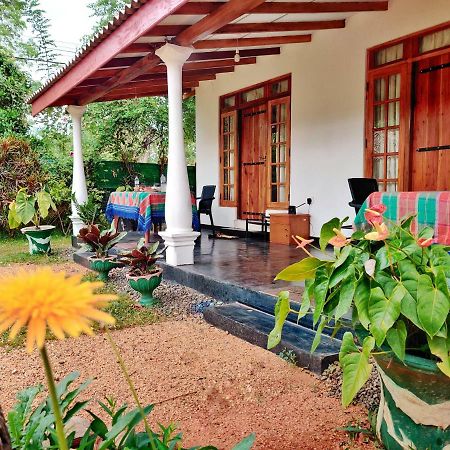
360	189
205	204
257	218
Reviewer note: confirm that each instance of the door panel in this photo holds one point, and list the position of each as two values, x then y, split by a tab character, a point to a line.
253	161
430	152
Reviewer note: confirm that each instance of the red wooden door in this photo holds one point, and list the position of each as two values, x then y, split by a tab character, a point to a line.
253	154
430	151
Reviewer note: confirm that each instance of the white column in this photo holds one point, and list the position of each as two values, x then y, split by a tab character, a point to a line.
79	179
179	237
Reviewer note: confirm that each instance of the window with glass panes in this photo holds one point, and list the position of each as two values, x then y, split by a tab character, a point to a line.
228	158
385	137
279	129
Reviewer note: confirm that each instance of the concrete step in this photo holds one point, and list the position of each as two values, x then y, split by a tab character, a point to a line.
254	326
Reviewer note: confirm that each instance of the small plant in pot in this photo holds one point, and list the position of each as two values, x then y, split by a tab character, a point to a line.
144	275
100	243
394	285
32	208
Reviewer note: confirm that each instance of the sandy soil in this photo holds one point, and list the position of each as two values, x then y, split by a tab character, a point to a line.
217	387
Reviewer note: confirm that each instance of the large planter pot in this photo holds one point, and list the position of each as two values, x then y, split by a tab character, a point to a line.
145	285
38	238
414	409
103	266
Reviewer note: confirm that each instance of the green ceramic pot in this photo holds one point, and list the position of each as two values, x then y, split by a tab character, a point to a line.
103	266
414	409
145	285
38	238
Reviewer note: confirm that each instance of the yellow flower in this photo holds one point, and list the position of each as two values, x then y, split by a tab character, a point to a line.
45	298
380	234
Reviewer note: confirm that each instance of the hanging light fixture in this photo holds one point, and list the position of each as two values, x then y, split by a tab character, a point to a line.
237	56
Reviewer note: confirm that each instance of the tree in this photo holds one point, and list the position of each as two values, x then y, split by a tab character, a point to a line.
15	86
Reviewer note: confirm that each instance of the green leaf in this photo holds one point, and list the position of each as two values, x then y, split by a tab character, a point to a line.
440	259
320	291
302	270
432	303
13	218
409	278
346	295
355	366
282	308
318	336
25	207
44	202
396	338
246	443
383	312
326	232
439	347
426	233
306	299
362	295
345	253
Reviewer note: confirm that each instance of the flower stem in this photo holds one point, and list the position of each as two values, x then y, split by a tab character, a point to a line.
54	400
131	386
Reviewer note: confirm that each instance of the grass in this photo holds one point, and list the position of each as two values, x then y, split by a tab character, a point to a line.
125	310
15	250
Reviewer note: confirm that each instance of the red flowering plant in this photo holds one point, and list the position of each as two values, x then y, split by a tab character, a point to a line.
390	285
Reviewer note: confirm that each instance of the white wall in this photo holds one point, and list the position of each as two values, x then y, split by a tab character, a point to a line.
328	78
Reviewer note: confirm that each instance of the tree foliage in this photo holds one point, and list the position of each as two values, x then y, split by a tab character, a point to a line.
14	88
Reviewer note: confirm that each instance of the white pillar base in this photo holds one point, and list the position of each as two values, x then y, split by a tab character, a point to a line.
77	224
180	247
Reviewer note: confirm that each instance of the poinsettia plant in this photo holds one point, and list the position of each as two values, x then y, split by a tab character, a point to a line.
142	260
388	282
98	241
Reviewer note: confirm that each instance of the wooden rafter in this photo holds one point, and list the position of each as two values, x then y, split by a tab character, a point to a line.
233	28
223	54
291	7
251	42
160	75
226	13
107	73
148	15
150	88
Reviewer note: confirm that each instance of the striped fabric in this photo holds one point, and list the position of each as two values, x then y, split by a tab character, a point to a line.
147	208
432	209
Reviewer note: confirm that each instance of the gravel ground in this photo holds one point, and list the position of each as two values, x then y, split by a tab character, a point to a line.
175	301
369	395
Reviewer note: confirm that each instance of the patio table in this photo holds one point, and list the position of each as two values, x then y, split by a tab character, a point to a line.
431	208
146	208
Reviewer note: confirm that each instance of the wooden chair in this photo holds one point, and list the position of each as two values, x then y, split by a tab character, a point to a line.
256	218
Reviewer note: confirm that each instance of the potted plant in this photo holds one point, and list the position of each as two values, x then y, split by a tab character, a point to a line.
144	275
32	208
100	243
394	284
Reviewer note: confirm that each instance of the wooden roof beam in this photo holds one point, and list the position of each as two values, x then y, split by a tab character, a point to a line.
148	15
224	14
236	28
251	42
161	75
291	7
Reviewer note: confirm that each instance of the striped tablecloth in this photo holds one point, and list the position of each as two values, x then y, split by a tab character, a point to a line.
147	208
432	209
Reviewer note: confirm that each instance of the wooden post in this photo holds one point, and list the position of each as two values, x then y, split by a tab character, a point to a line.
5	440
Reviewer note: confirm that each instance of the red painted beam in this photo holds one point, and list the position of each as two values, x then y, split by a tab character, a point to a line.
148	15
251	42
291	7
